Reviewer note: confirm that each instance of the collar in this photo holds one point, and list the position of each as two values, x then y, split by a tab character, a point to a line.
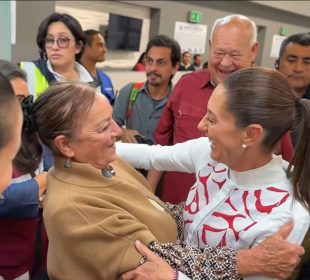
84	75
81	174
207	82
273	170
169	90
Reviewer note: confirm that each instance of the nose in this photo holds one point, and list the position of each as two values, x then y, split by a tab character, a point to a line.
226	60
298	67
116	130
153	66
55	45
203	125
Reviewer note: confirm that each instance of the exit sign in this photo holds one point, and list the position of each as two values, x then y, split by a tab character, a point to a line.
194	16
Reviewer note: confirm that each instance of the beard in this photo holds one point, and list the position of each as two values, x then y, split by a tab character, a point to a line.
151	81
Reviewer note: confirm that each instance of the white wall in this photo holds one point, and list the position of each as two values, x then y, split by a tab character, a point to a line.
91	14
122	78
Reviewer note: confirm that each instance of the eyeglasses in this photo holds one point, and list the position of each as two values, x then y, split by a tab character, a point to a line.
62	42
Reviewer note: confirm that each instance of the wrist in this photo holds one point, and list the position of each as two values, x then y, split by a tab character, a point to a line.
248	262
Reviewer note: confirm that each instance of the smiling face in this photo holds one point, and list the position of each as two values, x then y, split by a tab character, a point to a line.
95	141
219	126
231	49
295	64
60	57
158	66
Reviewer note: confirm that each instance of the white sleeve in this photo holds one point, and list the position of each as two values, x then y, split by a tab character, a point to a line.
182	157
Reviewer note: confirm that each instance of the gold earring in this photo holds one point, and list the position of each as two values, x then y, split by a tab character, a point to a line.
67	163
243	146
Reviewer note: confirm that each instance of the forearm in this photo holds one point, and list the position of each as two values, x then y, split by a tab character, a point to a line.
199	263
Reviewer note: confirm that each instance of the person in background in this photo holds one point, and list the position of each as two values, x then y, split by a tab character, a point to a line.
186	62
197	60
294	63
61	41
233	46
96	200
10	130
205	65
20	202
139	117
94	51
243	193
140	65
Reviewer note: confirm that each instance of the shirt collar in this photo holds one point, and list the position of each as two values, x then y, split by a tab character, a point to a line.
144	89
84	75
207	82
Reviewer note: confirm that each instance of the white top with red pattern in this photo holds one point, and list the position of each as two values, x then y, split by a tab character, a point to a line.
224	207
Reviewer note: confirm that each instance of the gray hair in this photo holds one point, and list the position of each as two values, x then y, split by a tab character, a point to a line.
230	18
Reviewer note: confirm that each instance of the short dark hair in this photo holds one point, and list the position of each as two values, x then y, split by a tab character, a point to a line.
90	33
186	52
11	71
72	24
7	103
196	55
165	41
302	39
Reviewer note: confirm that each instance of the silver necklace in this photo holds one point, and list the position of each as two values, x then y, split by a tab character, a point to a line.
108	172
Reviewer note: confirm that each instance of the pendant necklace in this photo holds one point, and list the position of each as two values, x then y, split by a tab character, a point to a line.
108	172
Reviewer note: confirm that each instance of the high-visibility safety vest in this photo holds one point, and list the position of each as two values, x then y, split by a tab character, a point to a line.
37	82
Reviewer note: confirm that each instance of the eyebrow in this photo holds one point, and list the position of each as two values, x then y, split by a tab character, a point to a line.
102	123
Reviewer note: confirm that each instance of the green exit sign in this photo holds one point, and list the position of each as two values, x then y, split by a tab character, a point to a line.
194	16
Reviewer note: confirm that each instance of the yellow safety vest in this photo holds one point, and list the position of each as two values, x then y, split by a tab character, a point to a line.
36	81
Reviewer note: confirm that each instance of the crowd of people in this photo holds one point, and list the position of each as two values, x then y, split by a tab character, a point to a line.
224	156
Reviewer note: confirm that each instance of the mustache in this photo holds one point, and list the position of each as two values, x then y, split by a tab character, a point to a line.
152	73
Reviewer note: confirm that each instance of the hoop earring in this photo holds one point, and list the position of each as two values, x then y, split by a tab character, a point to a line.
67	163
243	146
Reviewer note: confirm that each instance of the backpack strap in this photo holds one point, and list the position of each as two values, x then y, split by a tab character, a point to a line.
132	98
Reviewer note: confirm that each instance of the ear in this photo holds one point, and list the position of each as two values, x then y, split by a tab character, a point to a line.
254	51
63	145
79	46
252	134
277	64
176	68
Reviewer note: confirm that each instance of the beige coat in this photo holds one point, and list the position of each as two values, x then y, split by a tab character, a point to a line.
92	221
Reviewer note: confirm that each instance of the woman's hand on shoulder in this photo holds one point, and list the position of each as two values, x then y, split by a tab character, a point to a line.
274	257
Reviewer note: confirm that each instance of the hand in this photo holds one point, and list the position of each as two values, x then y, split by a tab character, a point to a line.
41	180
274	257
154	268
128	135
